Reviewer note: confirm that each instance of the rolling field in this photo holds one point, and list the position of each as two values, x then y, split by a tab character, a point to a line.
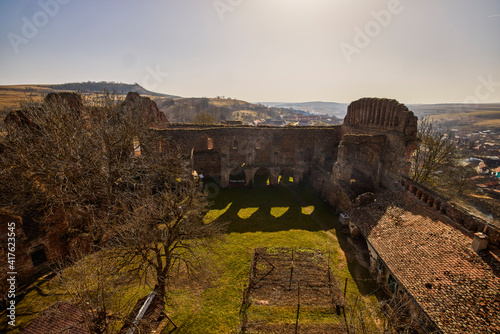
11	96
476	118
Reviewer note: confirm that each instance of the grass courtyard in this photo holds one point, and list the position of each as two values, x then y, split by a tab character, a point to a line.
286	216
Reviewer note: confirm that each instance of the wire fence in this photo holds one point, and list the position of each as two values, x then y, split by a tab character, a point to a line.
292	291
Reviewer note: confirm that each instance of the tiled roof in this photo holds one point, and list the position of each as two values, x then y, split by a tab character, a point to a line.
456	287
60	318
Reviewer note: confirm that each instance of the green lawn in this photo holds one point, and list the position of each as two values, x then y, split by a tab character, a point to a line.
286	216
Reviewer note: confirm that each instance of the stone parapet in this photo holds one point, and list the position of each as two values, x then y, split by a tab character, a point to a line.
453	211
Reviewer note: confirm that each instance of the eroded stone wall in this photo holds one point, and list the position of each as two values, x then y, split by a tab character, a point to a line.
370	150
38	246
379	136
218	151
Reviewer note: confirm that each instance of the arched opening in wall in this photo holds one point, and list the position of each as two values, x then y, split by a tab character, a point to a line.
235	144
237	177
38	256
360	182
261	177
137	146
330	159
286	176
210	144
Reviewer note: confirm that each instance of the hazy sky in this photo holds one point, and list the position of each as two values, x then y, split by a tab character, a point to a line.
420	51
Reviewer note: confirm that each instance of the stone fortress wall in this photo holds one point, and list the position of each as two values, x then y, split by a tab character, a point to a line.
370	150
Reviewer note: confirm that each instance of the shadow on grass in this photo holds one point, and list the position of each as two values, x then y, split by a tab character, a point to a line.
353	249
306	211
273	209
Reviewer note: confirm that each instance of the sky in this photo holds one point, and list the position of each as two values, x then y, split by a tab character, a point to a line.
415	51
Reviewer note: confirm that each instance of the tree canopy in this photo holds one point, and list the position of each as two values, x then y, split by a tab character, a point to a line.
437	161
113	178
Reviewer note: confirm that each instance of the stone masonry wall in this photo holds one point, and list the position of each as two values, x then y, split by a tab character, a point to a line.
388	133
372	145
220	150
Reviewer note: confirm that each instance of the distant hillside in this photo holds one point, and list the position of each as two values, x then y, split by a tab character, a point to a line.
480	117
315	107
12	95
451	115
177	109
185	110
485	116
99	87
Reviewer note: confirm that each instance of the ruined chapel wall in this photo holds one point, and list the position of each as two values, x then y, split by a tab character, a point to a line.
50	238
230	147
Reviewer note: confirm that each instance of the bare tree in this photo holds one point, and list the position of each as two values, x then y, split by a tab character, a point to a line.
436	154
97	288
99	163
77	157
165	231
204	118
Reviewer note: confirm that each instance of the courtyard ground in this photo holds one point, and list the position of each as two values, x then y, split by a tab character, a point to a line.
286	216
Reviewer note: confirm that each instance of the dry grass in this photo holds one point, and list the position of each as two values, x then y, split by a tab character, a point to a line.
245	114
482	113
226	102
11	96
489	123
475	120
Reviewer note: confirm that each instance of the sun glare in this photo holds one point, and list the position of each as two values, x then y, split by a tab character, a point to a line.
215	213
307	210
246	213
279	211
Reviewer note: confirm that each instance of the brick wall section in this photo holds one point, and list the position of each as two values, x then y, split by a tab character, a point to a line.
454	212
50	236
334	193
388	158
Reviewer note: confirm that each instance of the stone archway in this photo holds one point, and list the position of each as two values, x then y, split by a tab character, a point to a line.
261	177
286	176
237	177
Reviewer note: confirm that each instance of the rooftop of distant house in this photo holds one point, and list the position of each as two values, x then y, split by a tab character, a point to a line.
432	259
